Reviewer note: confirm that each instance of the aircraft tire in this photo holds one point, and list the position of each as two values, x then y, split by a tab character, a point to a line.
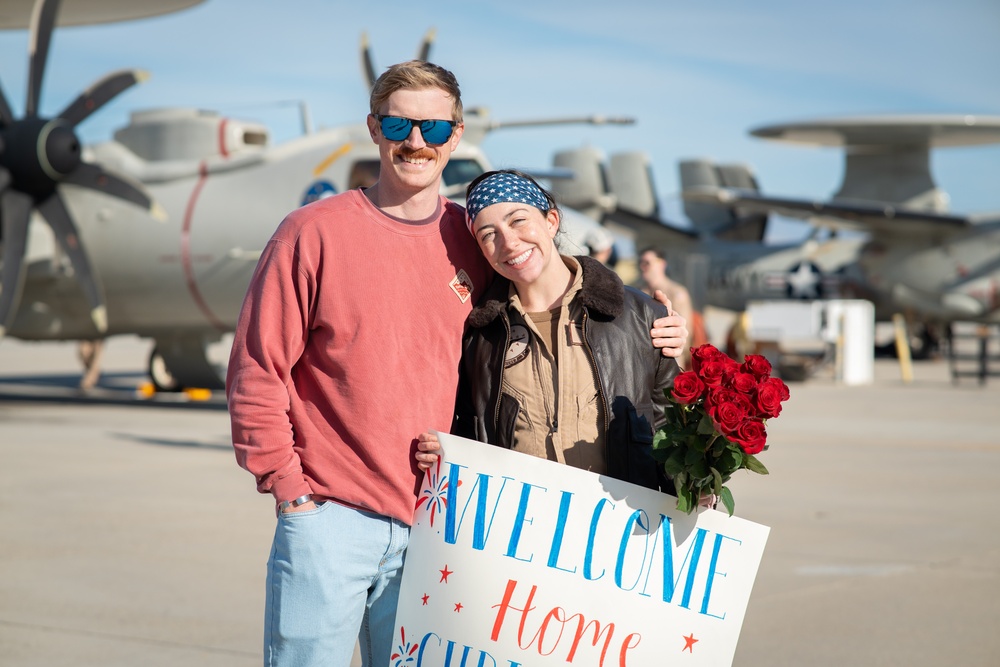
159	373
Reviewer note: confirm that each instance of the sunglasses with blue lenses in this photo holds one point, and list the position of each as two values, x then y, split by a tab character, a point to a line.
397	128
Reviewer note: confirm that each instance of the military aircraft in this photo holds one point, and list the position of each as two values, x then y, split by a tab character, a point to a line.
157	232
913	256
721	256
939	266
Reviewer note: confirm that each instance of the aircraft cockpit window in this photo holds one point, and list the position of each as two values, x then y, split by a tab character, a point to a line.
254	138
364	173
459	172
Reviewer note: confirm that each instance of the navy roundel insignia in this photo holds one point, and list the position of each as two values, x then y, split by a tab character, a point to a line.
318	190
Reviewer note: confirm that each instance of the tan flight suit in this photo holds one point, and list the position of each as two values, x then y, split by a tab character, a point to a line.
548	370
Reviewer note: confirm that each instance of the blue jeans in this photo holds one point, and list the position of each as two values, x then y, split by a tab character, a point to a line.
333	578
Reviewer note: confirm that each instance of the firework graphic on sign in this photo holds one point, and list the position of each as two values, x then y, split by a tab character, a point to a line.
434	495
404	652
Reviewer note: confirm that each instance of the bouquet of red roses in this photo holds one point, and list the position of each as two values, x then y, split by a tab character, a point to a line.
715	424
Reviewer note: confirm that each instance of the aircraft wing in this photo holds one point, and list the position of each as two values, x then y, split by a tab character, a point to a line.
885	219
653	230
16	14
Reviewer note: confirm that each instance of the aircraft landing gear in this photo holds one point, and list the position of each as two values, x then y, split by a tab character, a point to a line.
183	363
90	352
159	374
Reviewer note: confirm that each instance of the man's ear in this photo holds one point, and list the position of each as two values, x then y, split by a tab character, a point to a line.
456	135
373	128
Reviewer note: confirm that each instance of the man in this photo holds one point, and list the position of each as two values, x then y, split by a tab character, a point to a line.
653	268
347	347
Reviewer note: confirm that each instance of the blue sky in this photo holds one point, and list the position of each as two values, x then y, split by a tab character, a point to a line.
697	75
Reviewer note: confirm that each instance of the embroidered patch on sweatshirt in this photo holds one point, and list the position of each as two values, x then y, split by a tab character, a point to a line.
461	285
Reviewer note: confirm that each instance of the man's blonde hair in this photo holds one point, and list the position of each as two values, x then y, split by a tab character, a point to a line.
416	75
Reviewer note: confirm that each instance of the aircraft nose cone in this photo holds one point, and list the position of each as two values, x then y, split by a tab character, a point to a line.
62	150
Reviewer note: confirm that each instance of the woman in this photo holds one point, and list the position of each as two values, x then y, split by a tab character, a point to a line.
557	359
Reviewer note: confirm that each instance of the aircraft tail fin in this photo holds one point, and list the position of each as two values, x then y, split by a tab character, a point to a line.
630	177
623	181
724	222
587	191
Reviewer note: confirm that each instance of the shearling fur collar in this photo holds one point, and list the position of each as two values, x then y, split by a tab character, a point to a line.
602	293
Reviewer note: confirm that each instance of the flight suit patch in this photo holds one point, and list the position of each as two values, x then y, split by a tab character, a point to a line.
518	349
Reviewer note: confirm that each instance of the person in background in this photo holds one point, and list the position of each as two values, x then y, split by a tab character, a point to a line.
357	299
653	269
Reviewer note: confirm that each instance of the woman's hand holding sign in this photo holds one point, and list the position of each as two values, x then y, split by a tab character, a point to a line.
428	449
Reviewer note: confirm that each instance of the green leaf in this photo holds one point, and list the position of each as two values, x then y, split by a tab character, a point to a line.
674	463
699	469
727	499
730	461
693	456
705	425
684	500
754	465
717	482
680	480
719	445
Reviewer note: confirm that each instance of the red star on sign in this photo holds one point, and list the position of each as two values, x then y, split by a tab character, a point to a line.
425	598
458	606
444	574
689	641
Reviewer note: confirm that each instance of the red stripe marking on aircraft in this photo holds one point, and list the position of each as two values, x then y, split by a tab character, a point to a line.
222	138
186	252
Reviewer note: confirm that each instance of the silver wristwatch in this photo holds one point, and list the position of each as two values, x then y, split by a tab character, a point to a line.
301	500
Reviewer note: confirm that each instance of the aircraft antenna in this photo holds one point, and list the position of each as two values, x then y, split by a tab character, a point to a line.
367	66
424	52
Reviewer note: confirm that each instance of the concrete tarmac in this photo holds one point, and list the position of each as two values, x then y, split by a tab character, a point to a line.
131	537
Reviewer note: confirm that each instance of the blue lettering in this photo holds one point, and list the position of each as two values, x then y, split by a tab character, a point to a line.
699	540
557	538
670	580
480	529
588	558
712	574
519	521
483	655
635	520
423	645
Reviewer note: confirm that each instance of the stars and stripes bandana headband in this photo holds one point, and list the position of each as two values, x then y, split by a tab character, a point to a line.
500	188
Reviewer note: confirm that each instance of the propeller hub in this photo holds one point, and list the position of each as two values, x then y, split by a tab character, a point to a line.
39	153
61	150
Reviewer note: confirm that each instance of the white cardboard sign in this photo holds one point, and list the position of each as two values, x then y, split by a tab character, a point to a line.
515	561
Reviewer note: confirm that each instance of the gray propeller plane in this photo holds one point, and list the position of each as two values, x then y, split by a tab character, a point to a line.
918	257
721	256
915	258
157	232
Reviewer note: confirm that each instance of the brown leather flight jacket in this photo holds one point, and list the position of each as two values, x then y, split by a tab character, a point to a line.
632	373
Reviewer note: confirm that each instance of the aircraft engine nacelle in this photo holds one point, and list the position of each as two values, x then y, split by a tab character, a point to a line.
587	191
721	221
189	134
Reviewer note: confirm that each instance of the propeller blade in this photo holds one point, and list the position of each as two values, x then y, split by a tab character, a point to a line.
94	177
100	93
6	116
424	52
55	213
15	213
43	20
366	61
